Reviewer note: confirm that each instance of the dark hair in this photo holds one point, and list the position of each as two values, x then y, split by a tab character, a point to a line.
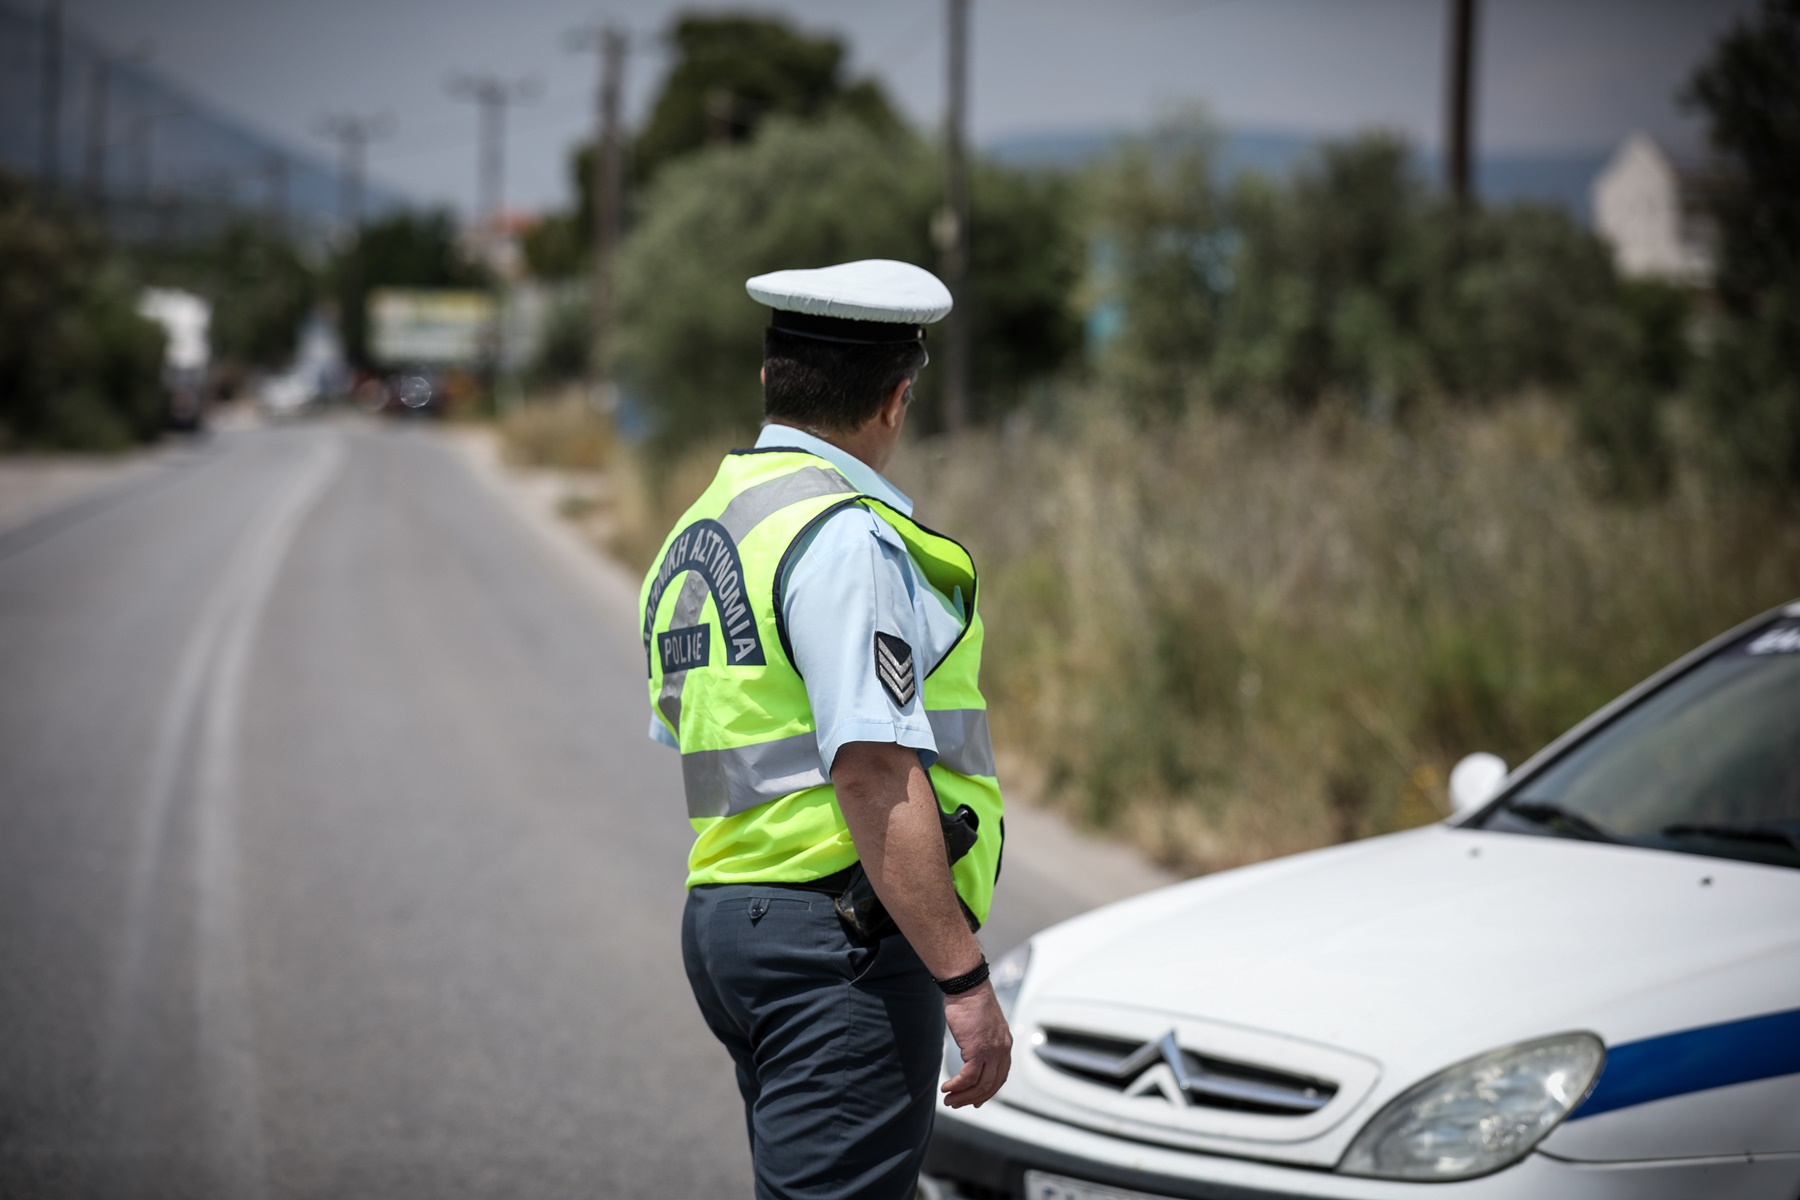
834	386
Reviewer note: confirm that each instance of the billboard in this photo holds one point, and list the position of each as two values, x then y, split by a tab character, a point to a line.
430	327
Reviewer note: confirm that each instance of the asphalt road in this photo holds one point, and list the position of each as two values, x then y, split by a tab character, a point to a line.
335	862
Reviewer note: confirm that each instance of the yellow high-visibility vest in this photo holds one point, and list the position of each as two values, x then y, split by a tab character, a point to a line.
723	681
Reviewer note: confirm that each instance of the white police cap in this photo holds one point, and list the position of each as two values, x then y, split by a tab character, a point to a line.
876	301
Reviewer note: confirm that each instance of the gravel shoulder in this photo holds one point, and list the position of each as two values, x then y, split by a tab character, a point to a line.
35	484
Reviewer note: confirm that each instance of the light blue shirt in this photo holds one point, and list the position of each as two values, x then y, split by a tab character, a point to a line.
850	579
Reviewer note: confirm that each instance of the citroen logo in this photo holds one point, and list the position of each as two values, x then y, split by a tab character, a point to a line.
1161	1069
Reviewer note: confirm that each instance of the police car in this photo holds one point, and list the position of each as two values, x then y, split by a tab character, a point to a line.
1586	983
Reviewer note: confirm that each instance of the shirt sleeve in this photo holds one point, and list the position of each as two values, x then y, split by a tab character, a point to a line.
660	733
856	634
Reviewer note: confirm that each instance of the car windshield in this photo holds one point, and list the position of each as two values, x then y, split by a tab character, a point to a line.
1709	764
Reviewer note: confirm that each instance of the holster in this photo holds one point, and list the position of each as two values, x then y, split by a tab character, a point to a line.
860	910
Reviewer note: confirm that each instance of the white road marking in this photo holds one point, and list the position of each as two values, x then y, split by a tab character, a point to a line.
204	705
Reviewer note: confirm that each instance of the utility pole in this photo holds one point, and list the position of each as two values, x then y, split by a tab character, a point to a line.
93	181
953	223
491	95
353	135
1458	114
141	143
278	193
608	191
50	144
93	171
137	141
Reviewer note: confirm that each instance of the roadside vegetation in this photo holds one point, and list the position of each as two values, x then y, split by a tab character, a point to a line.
1287	492
1347	483
1227	639
82	370
79	367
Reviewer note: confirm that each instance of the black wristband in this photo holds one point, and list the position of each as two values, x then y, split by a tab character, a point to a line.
956	985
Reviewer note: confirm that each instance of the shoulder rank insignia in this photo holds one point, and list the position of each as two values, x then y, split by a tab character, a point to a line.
894	667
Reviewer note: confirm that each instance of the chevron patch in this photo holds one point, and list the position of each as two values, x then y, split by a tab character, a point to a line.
894	667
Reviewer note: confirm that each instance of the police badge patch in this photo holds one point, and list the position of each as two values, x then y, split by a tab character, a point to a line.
894	667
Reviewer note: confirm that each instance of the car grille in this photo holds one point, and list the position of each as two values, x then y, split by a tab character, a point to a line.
1180	1076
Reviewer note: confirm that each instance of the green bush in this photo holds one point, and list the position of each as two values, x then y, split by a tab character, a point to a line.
566	346
1349	283
79	369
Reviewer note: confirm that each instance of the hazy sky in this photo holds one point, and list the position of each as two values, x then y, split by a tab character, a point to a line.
1554	74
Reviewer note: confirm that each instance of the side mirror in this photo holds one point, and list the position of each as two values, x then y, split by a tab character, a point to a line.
1474	780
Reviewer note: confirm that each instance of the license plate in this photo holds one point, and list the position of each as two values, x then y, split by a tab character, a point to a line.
1039	1186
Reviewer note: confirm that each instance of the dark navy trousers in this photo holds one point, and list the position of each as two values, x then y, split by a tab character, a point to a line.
837	1046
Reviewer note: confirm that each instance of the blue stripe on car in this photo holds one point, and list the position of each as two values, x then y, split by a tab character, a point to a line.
1694	1060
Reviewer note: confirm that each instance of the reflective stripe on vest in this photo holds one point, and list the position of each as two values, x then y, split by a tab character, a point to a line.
723	783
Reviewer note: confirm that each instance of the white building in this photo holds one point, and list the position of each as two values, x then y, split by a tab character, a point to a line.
1644	207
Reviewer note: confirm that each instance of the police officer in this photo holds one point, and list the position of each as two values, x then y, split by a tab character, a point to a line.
814	654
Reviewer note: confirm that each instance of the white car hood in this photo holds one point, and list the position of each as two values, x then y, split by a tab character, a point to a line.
1418	950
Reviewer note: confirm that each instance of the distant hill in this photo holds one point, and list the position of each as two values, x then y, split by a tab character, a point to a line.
166	152
1550	178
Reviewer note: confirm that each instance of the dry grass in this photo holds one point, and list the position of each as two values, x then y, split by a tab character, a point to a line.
1232	642
1227	642
562	432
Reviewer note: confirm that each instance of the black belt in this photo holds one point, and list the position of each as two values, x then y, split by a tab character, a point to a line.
831	885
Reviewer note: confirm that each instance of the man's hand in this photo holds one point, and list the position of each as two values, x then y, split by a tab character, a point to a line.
887	802
978	1028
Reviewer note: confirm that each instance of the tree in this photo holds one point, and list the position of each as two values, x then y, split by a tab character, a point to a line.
79	369
261	286
1749	89
731	73
1350	279
408	249
1162	251
810	194
266	292
1329	282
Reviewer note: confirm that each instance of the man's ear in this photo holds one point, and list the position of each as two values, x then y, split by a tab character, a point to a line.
893	408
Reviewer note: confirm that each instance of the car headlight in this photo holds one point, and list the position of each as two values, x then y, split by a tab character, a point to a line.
1006	977
1479	1115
